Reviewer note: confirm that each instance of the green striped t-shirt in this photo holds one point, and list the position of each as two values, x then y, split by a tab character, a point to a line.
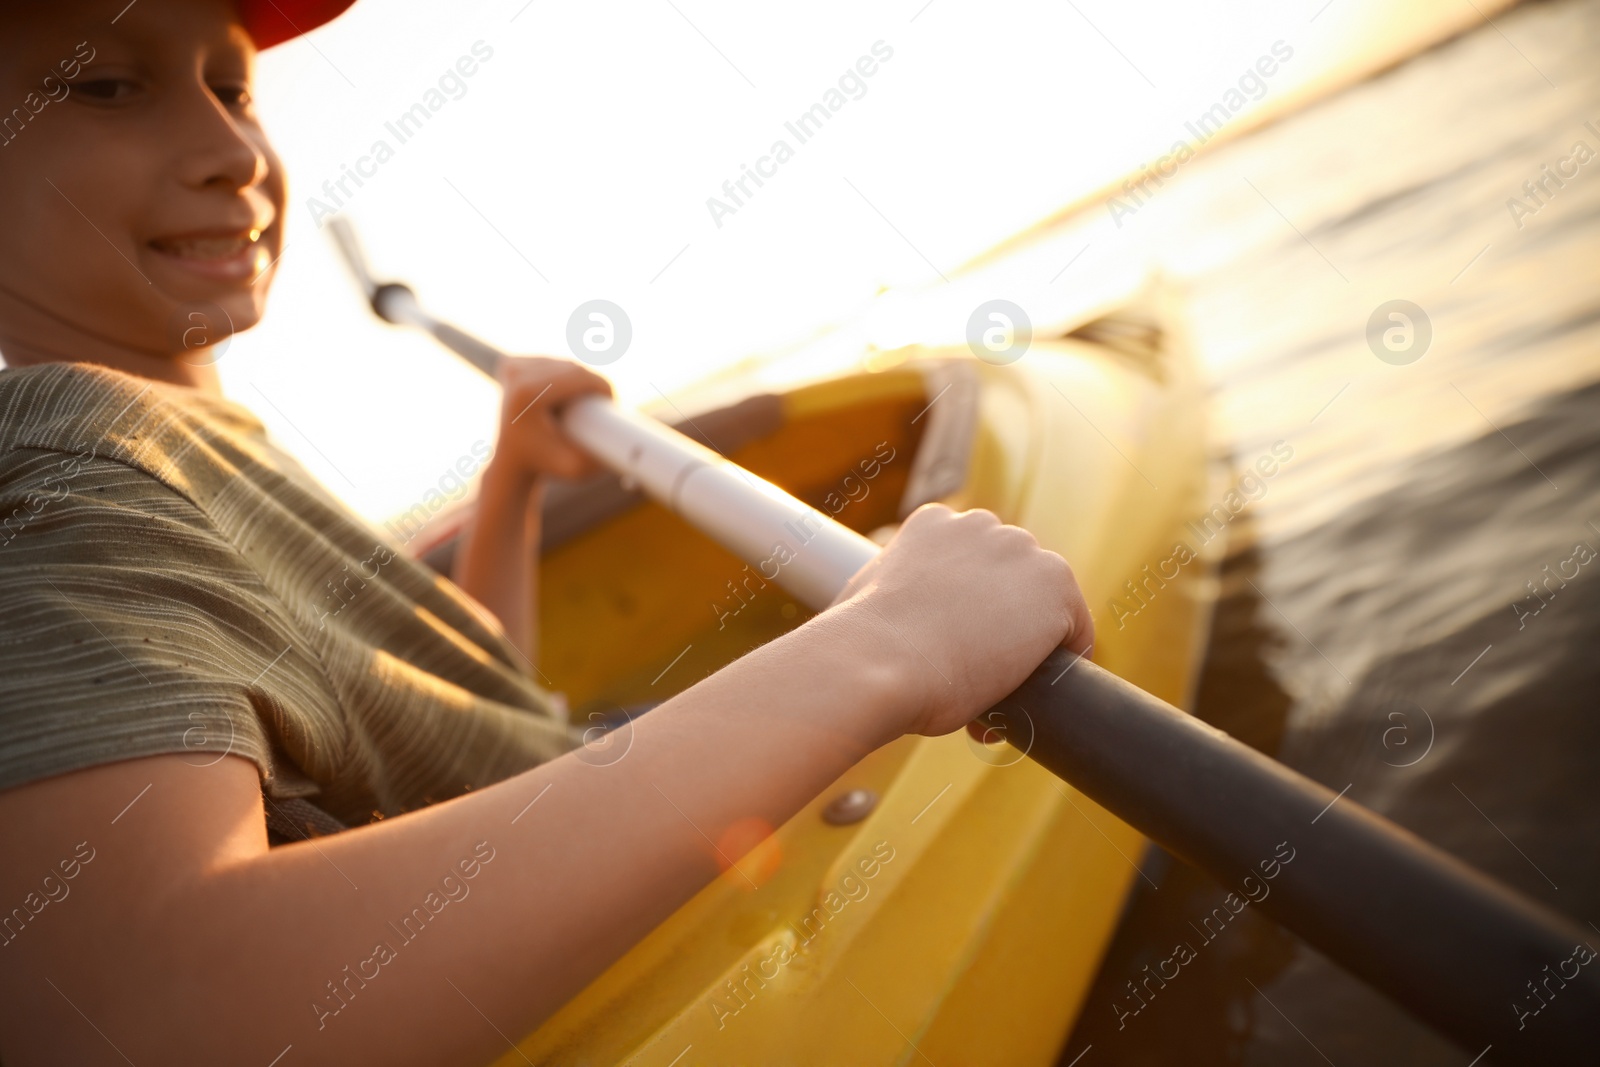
171	582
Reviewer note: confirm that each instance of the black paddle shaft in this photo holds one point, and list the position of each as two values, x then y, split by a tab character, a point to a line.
1481	963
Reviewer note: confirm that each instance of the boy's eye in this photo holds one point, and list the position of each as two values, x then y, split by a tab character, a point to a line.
107	90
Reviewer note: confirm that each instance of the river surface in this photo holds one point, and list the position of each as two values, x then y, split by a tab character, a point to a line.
1411	610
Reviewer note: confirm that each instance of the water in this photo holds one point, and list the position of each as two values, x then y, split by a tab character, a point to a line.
1376	628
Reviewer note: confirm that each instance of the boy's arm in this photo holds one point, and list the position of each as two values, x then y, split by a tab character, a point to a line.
497	562
433	937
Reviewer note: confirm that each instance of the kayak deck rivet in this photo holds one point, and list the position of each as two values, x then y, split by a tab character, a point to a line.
849	807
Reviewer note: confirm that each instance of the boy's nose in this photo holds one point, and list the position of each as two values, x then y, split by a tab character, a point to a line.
237	164
220	151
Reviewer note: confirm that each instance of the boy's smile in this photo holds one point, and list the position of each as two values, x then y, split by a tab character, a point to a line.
226	255
135	181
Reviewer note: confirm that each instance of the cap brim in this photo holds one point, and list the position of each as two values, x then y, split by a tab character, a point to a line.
271	22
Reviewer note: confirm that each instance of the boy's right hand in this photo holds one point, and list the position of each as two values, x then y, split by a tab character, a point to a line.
966	607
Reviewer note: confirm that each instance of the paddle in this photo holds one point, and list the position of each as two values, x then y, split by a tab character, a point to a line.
1483	964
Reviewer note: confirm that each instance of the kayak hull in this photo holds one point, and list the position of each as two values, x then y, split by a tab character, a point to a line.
962	916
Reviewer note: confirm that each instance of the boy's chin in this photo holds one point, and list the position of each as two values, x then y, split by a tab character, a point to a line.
200	330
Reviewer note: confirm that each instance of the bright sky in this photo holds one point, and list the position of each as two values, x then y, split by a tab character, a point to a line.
576	161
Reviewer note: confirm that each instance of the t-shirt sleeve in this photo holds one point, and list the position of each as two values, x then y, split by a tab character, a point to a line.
130	627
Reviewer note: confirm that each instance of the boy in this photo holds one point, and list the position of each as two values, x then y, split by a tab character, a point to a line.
173	680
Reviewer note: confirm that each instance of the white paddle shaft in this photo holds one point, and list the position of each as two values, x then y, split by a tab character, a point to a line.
780	537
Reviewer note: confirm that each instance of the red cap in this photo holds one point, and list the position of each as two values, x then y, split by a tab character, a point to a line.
271	22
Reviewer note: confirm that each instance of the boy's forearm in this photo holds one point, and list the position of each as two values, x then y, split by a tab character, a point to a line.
605	853
497	560
321	944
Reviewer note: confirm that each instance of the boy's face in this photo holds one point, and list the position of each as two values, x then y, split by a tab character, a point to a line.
135	181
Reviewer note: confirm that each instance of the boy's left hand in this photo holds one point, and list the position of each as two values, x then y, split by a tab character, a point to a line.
534	388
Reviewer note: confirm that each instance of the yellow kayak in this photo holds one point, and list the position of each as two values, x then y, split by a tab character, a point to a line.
945	901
